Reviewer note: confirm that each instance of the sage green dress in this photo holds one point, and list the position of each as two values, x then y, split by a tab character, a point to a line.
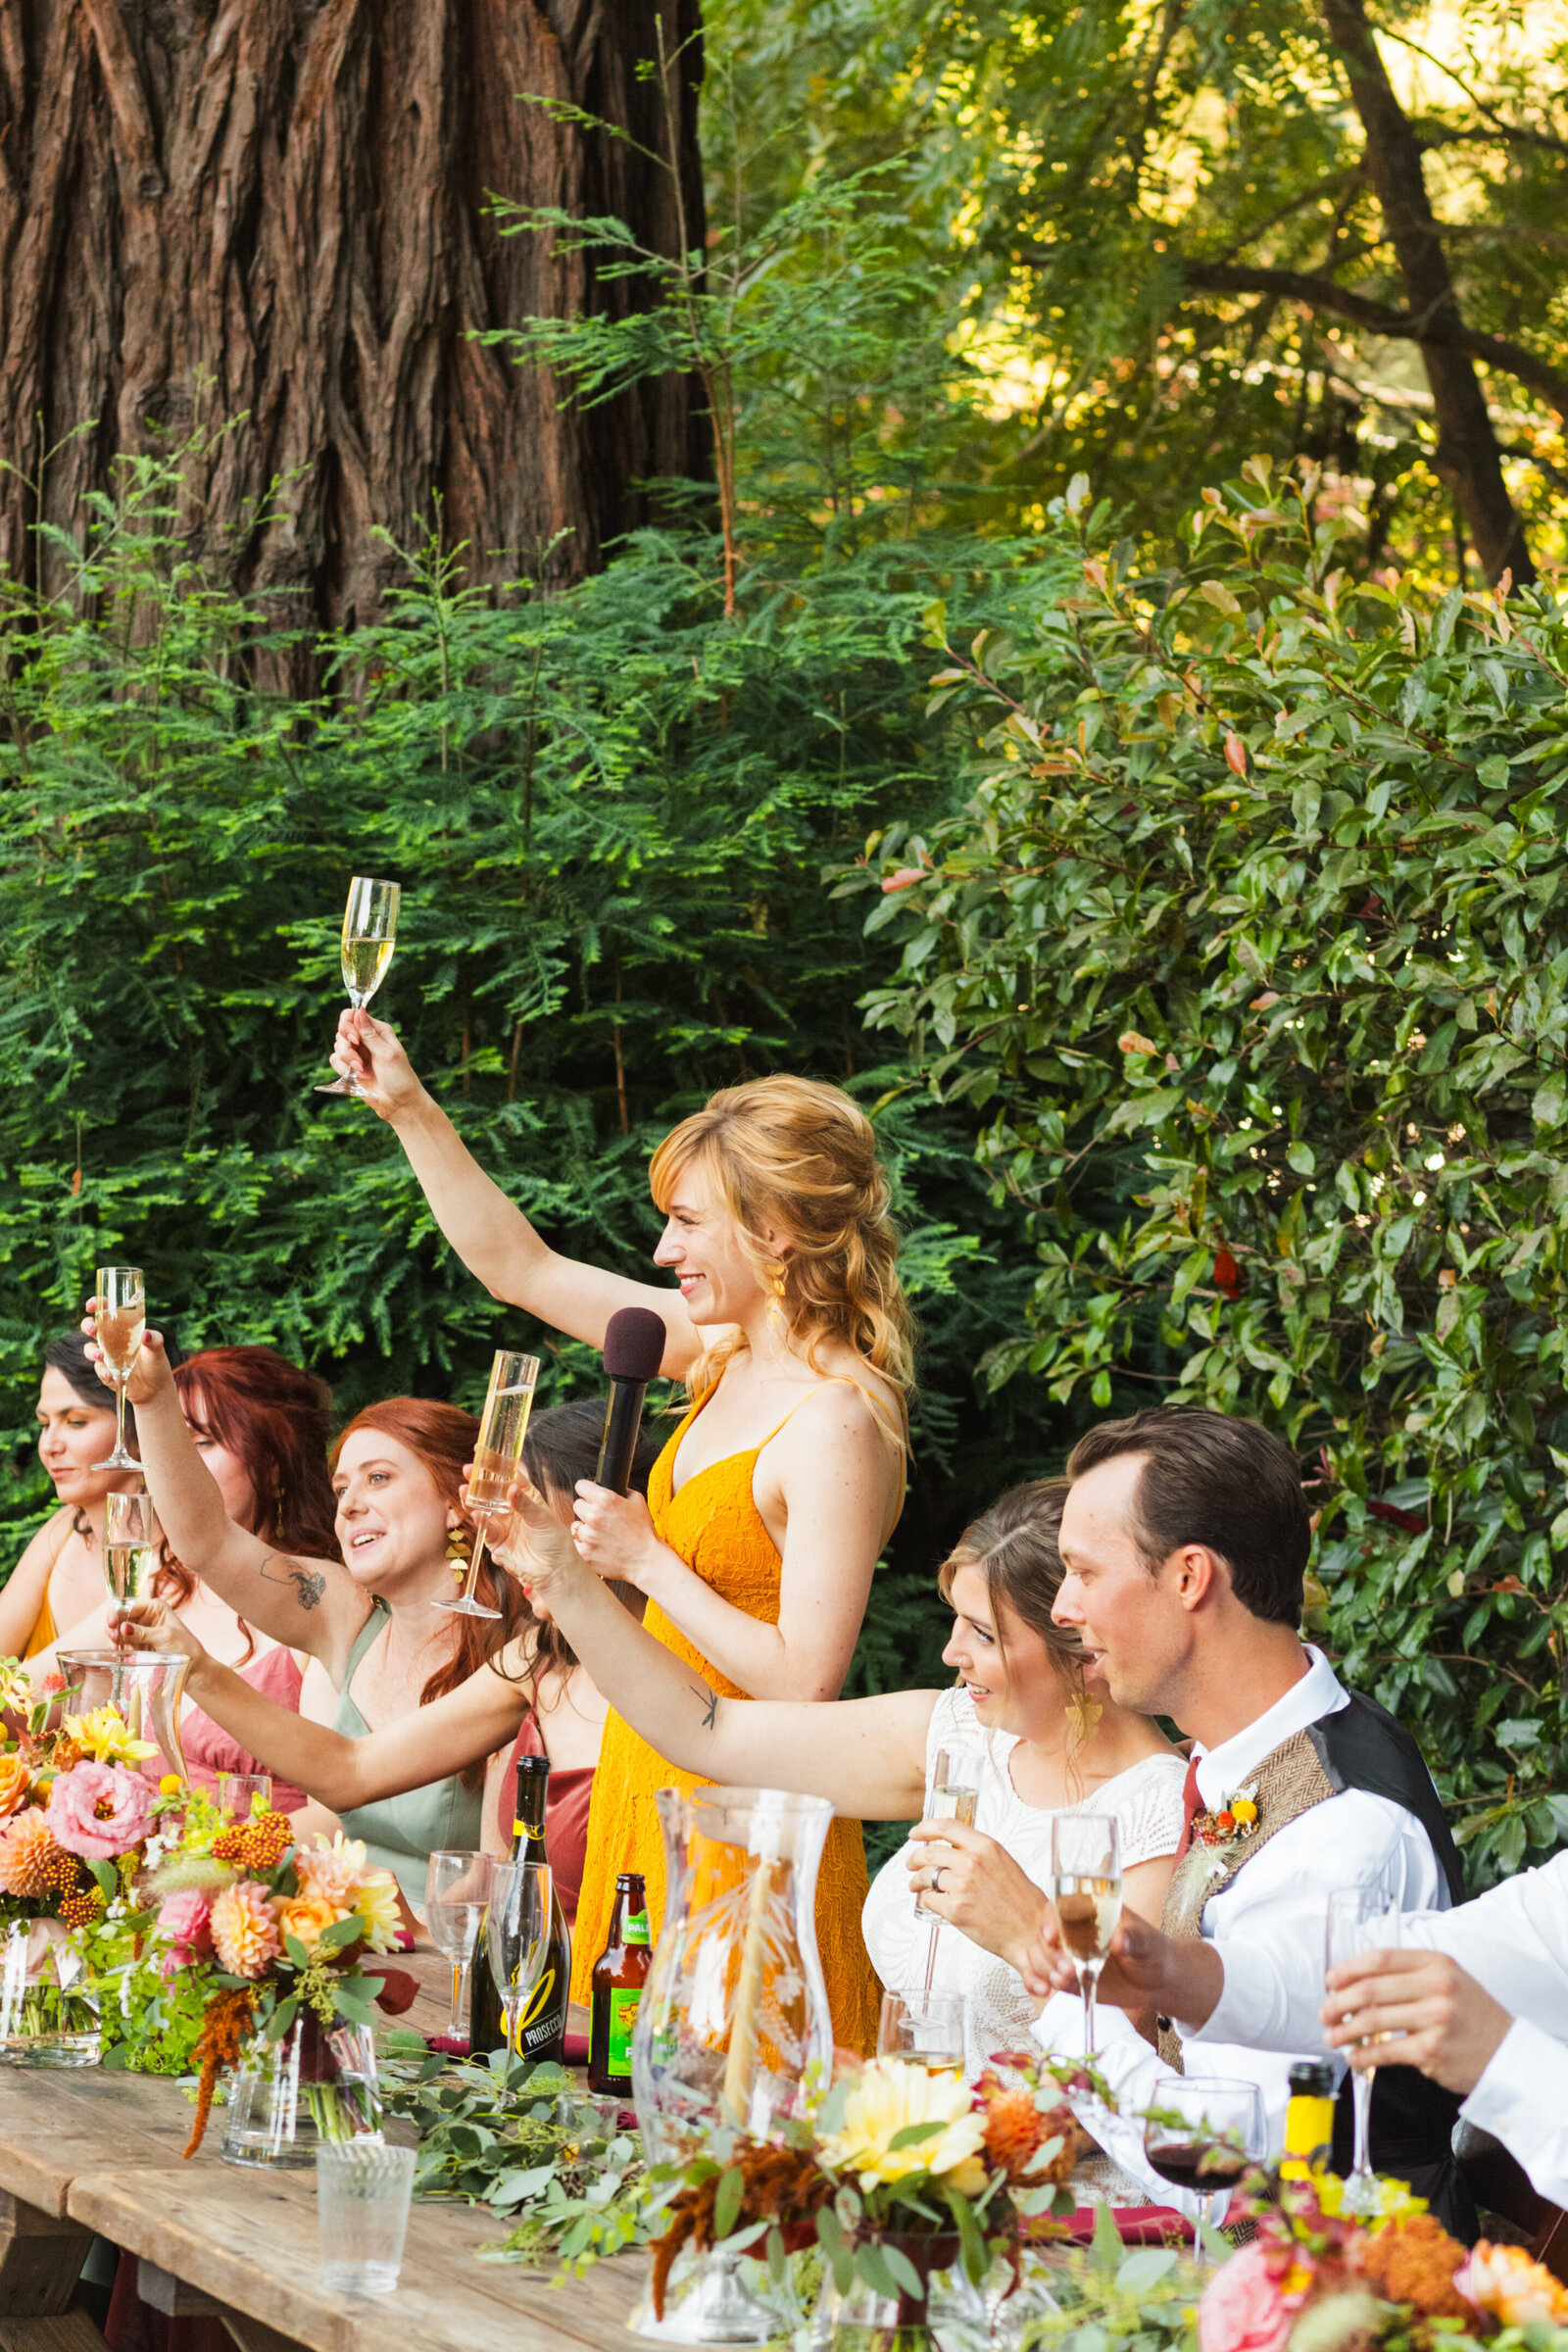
402	1832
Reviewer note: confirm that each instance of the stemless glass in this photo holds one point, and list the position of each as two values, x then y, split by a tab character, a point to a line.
120	1318
457	1888
497	1458
243	1794
517	1933
1200	2134
924	2028
1361	1919
369	934
1086	1895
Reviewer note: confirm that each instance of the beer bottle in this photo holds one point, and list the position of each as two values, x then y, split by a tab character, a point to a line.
619	1975
1309	2119
542	2026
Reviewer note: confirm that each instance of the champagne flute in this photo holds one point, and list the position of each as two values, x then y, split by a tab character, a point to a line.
497	1457
132	1554
926	2029
457	1888
1200	2134
369	934
1361	1919
954	1796
1086	1895
518	1936
120	1319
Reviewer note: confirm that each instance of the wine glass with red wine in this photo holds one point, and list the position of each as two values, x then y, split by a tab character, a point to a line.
1201	2135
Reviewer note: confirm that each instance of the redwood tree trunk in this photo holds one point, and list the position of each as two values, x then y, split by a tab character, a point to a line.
277	208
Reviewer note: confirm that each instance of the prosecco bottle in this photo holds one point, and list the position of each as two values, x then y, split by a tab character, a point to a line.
619	1975
542	2025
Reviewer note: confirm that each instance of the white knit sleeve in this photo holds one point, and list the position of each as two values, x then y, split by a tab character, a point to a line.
1151	1812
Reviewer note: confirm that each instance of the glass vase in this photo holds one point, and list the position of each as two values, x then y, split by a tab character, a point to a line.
144	1688
734	2014
947	2315
48	1999
311	2084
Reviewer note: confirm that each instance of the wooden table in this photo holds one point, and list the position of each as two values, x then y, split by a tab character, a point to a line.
84	2153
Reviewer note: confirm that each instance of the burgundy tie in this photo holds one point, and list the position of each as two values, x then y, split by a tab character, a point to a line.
1192	1805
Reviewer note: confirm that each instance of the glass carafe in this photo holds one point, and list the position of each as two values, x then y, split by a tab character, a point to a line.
734	2013
146	1689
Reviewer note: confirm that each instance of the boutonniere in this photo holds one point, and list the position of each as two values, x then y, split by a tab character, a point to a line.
1226	1827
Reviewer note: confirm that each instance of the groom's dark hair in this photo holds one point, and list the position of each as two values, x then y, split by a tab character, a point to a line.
1214	1479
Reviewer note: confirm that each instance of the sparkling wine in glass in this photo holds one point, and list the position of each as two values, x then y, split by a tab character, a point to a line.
457	1888
954	1796
120	1320
1364	1918
369	934
497	1459
133	1539
1202	2134
1086	1895
518	1937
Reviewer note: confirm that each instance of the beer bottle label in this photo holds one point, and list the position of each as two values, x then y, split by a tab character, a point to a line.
624	2001
637	1928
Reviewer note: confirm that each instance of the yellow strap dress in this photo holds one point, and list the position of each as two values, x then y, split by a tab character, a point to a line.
44	1631
716	1527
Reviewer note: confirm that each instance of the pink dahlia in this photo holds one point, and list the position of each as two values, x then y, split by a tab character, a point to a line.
244	1930
100	1810
1243	2309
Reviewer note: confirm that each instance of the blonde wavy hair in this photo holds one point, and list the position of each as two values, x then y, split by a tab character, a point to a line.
801	1156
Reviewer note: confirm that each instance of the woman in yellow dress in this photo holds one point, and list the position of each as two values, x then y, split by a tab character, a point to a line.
768	1507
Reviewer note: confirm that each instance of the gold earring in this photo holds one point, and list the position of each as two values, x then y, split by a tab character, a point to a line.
774	1269
459	1550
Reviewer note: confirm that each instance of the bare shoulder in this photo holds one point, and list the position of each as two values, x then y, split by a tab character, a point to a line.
855	1406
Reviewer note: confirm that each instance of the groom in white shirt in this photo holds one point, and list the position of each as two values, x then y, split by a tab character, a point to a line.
1185	1537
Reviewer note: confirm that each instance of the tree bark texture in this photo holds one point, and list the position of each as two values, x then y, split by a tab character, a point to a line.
279	208
1467	456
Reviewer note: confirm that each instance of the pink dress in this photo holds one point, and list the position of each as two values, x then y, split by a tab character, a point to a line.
566	1800
210	1749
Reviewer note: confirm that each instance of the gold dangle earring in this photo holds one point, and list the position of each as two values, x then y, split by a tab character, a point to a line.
459	1549
773	1270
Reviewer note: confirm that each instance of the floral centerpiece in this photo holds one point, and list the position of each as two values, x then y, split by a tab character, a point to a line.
278	1932
897	2174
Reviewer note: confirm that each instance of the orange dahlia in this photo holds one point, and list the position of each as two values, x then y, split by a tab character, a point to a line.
1415	2260
1016	2130
244	1930
15	1782
31	1858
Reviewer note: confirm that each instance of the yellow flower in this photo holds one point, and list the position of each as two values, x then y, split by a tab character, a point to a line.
171	1785
1244	1809
375	1898
886	2098
105	1735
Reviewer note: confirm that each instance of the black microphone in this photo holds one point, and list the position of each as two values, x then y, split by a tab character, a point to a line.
635	1340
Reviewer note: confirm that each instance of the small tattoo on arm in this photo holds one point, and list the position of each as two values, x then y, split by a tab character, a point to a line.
711	1714
310	1585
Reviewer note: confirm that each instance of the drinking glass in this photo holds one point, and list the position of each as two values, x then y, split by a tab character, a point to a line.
1361	1919
120	1318
1200	2134
497	1458
369	934
133	1541
1086	1895
456	1887
239	1792
517	1935
925	2028
954	1796
364	2188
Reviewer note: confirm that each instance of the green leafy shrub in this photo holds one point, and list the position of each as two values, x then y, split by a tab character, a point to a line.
1252	948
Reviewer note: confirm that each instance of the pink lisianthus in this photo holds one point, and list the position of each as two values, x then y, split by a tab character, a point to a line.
186	1919
1244	2308
100	1810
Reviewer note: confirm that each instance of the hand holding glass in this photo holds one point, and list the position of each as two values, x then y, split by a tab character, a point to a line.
456	1887
1361	1919
1200	2134
954	1796
120	1319
497	1457
369	934
1086	1895
518	1936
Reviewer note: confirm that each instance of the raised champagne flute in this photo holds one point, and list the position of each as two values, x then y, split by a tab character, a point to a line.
1363	1918
516	1930
497	1459
119	1310
954	1796
1202	2134
1086	1895
369	934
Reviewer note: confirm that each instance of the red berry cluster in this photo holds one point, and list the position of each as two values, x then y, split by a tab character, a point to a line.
256	1845
84	1908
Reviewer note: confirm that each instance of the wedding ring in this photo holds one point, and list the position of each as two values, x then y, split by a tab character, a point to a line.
936	1878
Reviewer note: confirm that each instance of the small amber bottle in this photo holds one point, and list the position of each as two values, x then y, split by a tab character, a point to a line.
619	1975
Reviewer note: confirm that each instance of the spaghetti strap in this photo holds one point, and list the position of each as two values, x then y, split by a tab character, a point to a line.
873	1405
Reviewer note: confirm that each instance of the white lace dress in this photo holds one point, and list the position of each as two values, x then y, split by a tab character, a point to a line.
999	2013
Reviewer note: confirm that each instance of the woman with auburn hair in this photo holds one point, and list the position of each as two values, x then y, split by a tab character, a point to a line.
375	1650
768	1507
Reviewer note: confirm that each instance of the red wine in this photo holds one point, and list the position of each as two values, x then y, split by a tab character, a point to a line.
1200	2166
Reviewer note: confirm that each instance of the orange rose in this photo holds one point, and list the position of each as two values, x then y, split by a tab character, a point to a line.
15	1780
304	1916
1225	1820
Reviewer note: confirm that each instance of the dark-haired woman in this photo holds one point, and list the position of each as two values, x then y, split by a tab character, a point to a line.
60	1578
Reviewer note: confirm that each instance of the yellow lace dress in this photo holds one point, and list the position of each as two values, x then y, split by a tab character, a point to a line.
716	1527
